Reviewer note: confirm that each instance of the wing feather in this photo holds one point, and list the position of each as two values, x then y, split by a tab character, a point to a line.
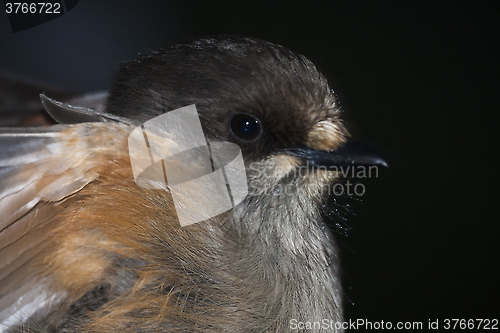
39	169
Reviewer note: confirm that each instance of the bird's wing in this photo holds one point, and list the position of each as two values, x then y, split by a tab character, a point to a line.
65	113
20	104
40	169
19	101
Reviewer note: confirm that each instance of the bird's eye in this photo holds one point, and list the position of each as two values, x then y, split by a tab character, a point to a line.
245	127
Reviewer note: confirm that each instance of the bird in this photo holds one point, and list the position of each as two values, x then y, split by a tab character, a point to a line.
84	248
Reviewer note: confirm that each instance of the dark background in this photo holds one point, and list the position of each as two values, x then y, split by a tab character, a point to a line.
417	79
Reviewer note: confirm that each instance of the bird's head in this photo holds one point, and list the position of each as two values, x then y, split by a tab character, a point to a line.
270	101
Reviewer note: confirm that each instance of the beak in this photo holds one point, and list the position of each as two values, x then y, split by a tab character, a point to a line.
350	153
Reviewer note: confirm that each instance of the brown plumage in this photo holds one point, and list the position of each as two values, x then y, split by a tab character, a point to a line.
83	248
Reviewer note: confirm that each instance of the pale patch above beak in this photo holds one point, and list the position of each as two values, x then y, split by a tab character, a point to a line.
326	135
329	146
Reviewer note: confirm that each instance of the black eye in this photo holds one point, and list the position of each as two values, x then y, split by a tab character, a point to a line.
245	127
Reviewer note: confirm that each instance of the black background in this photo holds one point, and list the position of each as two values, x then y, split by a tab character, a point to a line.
417	79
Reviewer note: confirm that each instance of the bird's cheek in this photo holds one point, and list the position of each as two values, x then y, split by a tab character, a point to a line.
282	166
273	168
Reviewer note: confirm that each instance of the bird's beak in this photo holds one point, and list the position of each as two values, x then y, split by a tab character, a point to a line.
350	153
